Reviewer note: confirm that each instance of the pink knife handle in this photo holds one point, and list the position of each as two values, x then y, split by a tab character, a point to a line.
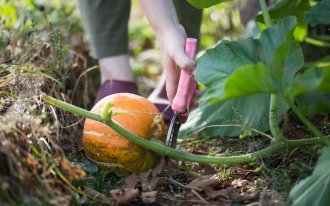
187	83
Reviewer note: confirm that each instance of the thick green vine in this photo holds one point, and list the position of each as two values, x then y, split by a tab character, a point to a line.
162	149
274	99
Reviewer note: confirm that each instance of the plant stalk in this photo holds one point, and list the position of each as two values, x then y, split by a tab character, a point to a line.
66	181
274	99
274	119
317	42
162	149
265	13
308	123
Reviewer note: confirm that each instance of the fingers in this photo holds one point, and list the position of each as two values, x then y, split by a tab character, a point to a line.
172	75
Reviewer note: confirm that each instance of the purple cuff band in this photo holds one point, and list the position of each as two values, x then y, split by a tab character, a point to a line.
115	86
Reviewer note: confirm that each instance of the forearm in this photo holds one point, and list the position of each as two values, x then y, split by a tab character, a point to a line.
161	14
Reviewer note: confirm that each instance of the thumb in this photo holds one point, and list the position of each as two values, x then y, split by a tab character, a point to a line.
183	60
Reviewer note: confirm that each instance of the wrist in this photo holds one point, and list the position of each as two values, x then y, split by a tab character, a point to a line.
171	32
167	28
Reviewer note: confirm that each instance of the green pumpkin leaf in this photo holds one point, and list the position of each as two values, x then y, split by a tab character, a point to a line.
312	90
251	111
286	8
248	80
307	81
315	189
312	80
325	84
319	14
268	64
201	4
286	61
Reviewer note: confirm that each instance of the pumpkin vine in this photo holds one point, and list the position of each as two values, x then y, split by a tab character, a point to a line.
181	155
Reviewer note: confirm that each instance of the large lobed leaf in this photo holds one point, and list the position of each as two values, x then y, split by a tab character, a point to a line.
251	111
319	14
265	65
311	80
312	90
246	67
315	189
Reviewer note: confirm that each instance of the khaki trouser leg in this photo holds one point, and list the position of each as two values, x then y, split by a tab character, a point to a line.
106	25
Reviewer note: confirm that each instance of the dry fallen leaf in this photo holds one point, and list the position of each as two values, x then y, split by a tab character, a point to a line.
245	197
205	169
159	183
233	194
6	82
149	197
131	181
211	194
97	195
205	182
240	183
72	172
144	179
271	198
124	196
159	168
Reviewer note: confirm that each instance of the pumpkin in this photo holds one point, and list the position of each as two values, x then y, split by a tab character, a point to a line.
106	147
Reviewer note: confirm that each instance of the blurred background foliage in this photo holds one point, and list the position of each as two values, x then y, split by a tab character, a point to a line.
20	18
26	26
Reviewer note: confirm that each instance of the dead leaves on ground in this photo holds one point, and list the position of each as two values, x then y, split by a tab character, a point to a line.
124	196
213	188
137	186
175	187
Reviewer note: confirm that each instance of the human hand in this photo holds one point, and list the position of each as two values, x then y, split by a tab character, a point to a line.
172	45
171	37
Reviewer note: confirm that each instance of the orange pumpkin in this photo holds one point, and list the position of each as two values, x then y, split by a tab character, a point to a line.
107	148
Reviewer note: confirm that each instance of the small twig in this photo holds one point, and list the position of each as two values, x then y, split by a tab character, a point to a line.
193	189
71	125
253	204
200	197
180	184
168	196
66	181
81	57
80	76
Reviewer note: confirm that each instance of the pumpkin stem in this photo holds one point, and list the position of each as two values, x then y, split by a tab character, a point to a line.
107	114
